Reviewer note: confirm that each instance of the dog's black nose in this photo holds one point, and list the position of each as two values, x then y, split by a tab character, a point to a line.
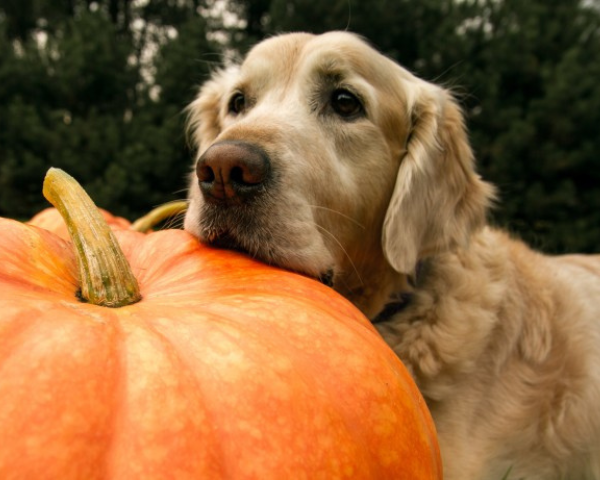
231	171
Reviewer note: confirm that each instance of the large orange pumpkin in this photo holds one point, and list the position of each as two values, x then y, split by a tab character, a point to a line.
225	369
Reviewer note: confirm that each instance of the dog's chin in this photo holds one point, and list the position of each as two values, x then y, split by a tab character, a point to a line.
267	254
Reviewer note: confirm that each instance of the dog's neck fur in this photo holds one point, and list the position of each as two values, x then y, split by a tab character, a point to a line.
478	280
401	299
466	293
377	286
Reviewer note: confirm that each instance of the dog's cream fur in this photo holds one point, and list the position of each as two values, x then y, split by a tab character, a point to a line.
504	342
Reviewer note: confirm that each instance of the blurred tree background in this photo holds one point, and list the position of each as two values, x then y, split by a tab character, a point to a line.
97	87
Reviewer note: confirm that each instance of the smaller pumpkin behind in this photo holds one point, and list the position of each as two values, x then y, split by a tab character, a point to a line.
51	220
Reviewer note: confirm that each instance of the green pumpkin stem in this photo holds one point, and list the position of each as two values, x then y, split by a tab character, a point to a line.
159	214
104	273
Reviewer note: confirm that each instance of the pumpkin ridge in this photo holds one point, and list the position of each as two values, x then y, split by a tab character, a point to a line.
326	395
115	399
295	375
135	410
166	338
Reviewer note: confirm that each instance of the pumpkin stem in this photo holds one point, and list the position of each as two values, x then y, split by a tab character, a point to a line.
159	214
105	275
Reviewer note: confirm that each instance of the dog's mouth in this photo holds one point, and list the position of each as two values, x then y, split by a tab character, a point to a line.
327	278
227	240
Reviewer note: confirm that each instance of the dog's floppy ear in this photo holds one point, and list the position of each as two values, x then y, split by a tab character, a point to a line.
205	112
438	199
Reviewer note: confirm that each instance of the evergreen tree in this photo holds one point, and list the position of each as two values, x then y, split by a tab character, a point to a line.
533	107
99	91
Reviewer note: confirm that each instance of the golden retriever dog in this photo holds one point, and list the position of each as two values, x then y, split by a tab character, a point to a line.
320	155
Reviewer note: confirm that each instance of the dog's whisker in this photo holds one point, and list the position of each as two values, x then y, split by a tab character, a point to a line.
347	255
176	221
343	215
177	216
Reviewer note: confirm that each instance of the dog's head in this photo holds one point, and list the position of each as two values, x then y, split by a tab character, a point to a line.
320	155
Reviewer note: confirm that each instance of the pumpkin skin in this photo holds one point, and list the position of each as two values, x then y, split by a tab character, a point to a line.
51	220
226	369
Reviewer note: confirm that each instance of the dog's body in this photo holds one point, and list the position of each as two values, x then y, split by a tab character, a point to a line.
322	156
504	344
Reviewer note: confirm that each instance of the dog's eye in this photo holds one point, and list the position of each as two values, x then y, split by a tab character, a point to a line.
237	104
345	104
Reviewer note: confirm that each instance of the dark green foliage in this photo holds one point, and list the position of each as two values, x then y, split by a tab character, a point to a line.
533	100
86	102
91	101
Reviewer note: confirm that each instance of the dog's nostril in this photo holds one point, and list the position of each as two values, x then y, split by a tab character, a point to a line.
237	176
205	174
247	175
